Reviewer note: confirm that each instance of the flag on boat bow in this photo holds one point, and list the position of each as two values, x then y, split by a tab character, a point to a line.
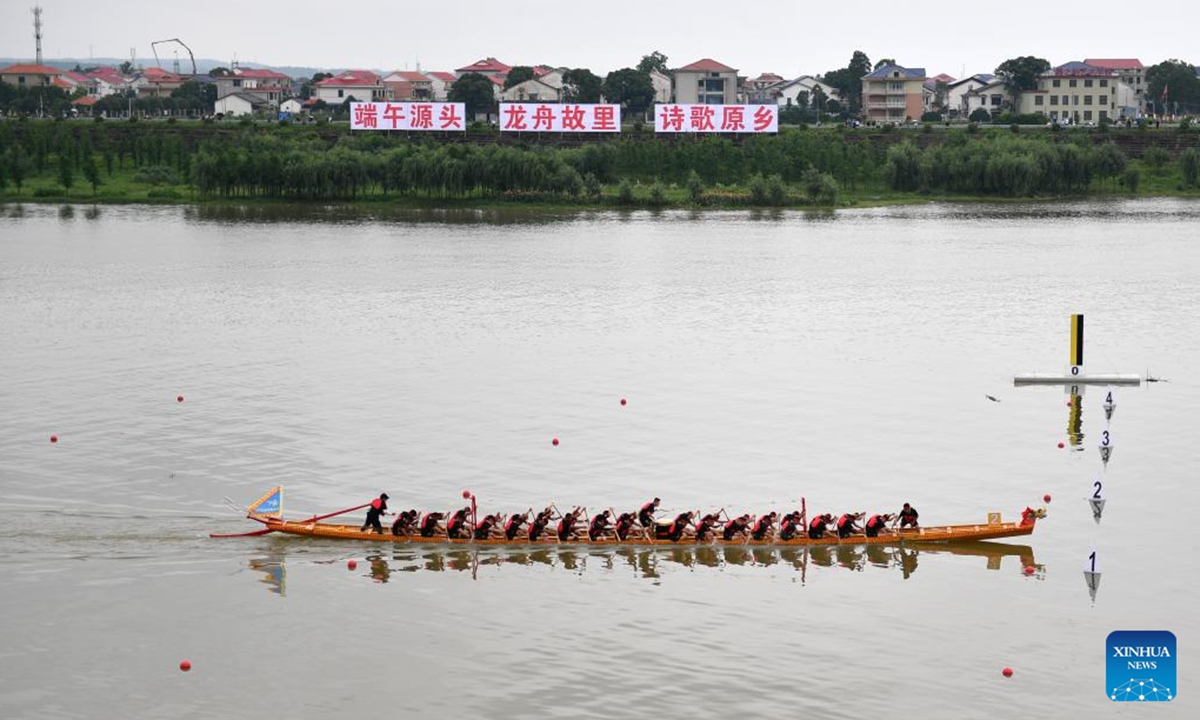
268	506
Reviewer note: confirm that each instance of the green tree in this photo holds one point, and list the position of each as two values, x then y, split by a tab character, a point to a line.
220	71
126	68
518	75
196	95
653	61
19	166
1020	74
848	81
884	63
476	91
66	175
91	172
629	87
1179	80
581	85
306	87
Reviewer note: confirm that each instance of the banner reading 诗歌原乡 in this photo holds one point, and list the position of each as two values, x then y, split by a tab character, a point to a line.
716	118
429	116
559	117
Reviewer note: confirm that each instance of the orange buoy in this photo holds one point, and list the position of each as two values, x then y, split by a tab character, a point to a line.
1029	570
185	665
1007	672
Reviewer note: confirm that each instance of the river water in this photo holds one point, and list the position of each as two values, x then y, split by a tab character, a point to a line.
843	357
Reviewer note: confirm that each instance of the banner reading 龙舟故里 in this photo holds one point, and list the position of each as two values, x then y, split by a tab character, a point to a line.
716	118
560	117
430	116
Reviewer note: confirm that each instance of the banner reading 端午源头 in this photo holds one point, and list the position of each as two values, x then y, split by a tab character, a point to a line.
418	116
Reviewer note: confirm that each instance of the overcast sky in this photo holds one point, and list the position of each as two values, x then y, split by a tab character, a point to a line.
785	37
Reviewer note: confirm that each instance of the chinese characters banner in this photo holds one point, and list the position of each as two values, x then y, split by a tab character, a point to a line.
408	116
716	118
565	117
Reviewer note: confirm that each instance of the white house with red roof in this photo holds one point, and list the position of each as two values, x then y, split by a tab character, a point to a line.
759	90
706	82
407	85
440	83
105	81
268	86
30	76
156	82
362	85
800	91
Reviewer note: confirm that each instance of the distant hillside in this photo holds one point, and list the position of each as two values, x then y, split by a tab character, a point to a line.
203	65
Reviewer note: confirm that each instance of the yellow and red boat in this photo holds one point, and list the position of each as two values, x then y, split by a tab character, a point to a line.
268	511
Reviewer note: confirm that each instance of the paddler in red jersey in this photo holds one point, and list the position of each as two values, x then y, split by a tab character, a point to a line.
846	526
377	509
624	523
566	525
489	523
707	527
598	529
457	525
789	525
431	524
764	529
816	528
538	527
876	523
738	526
512	528
646	514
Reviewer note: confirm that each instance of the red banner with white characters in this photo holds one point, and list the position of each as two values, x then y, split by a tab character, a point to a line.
716	118
559	117
430	116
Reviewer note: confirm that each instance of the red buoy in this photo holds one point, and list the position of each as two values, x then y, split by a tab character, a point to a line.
1061	446
185	665
1046	498
554	442
179	399
1068	403
623	402
1029	570
466	494
1007	672
351	564
53	438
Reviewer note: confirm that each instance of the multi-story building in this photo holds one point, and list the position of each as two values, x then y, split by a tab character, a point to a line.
440	83
268	86
1080	93
31	76
1131	72
893	94
761	90
802	90
407	85
706	82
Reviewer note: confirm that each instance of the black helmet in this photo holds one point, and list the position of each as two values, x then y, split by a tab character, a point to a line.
383	496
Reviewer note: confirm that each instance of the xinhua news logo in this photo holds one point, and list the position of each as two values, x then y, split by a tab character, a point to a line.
1141	666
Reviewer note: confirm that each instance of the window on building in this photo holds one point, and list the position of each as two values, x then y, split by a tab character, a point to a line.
1087	99
341	93
1072	82
1039	100
20	79
1053	99
237	83
1074	99
896	87
1056	82
1087	82
1103	82
1087	115
1103	115
714	86
996	100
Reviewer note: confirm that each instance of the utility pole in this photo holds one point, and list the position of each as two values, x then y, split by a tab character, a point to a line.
37	31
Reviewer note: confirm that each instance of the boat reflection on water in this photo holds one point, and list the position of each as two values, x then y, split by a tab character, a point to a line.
650	563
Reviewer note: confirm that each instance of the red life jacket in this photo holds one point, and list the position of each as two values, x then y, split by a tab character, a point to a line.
818	523
844	520
376	503
874	522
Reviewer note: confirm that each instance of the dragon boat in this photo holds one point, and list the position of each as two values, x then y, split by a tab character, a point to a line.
268	512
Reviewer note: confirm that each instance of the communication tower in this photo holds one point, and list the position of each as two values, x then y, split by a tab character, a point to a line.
37	32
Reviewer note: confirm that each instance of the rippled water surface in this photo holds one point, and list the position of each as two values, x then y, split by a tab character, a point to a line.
843	357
